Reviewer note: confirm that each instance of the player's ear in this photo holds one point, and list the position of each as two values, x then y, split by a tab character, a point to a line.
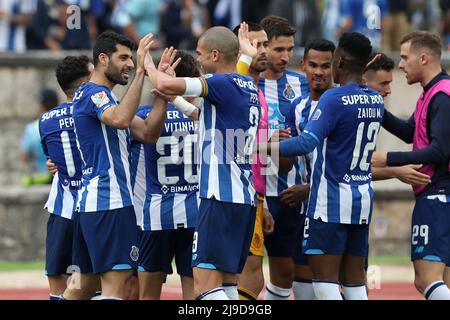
364	80
340	63
215	55
103	59
424	58
303	65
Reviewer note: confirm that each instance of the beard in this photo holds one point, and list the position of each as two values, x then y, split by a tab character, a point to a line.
259	67
115	76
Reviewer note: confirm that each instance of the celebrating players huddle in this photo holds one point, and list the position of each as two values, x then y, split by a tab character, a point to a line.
237	153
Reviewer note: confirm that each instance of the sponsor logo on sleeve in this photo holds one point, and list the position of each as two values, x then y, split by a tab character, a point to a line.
100	99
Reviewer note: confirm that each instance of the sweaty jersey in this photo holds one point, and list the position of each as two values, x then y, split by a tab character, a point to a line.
164	175
228	123
59	144
279	96
345	124
106	183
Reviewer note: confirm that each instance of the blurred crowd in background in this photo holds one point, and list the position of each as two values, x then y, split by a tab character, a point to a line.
74	24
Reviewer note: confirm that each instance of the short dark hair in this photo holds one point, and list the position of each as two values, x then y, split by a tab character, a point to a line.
322	45
70	70
188	66
357	46
48	98
252	27
424	39
107	43
276	26
222	39
383	62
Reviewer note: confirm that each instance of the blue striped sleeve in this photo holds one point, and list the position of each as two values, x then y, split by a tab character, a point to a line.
300	145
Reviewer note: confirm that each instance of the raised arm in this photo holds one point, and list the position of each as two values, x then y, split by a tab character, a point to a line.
148	131
248	50
121	115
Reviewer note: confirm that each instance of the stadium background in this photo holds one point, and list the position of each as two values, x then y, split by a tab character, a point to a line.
22	220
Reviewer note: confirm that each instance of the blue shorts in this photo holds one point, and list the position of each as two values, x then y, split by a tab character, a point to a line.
223	235
335	238
288	220
58	245
299	257
157	249
105	241
430	231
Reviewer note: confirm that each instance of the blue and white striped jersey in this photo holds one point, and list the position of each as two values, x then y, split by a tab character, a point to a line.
12	35
346	124
59	144
106	182
164	175
229	119
279	95
301	111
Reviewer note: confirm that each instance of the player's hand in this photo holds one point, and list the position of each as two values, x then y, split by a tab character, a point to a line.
51	166
158	93
245	45
294	195
409	175
167	64
268	222
280	135
379	159
143	50
149	64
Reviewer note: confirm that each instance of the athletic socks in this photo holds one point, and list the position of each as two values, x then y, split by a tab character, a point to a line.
303	289
437	291
245	294
231	290
327	290
276	293
213	294
355	292
105	298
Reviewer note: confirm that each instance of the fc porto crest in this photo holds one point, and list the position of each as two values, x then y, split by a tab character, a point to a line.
134	253
288	92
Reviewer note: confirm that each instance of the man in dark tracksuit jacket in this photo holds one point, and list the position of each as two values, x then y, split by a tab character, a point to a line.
429	131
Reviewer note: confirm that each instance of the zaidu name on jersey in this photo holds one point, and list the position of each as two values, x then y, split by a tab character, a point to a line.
364	113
